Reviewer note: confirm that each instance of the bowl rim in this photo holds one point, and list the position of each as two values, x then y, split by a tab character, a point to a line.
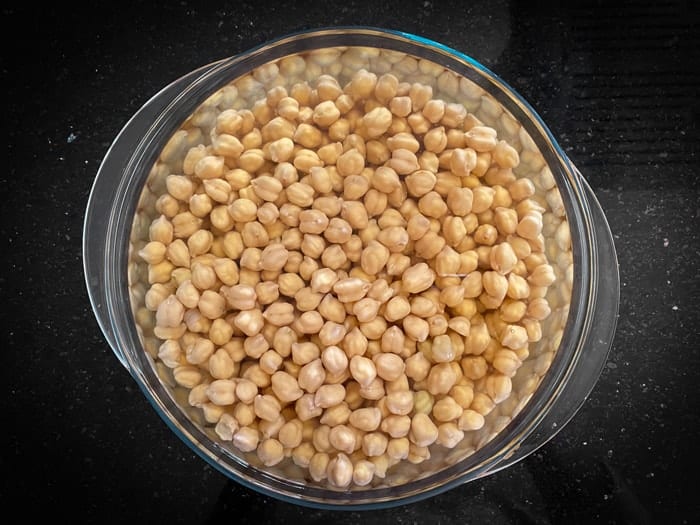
116	329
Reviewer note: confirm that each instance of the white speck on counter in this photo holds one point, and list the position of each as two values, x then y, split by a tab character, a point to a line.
665	242
674	308
72	137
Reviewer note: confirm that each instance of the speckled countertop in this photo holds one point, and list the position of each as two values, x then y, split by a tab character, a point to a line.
619	88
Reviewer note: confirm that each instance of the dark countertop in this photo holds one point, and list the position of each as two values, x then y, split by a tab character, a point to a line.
619	88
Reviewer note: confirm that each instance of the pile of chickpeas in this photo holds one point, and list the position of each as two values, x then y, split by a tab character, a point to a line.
343	275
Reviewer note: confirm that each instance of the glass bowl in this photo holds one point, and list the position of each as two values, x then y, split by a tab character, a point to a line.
554	380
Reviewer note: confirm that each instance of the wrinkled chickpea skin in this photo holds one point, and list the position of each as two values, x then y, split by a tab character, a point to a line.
347	267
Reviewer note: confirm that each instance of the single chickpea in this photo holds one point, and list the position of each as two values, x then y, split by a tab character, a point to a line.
416	328
403	161
400	402
393	340
423	431
396	426
311	376
388	366
340	471
246	439
363	370
329	395
417	278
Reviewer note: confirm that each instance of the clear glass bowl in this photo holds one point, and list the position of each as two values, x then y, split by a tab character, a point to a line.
552	383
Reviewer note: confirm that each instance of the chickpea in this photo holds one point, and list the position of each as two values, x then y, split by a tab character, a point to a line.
311	376
340	471
329	395
423	430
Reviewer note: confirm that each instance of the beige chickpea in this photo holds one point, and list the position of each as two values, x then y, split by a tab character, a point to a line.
255	346
290	435
285	387
331	333
355	343
226	427
250	322
417	278
432	205
246	439
244	415
514	336
270	452
351	289
393	340
403	161
222	392
363	370
435	140
460	200
429	245
339	230
309	322
313	245
334	257
420	182
423	431
530	226
512	311
312	221
495	285
209	167
462	161
374	329
306	409
340	471
481	138
470	420
332	309
400	402
211	304
388	366
312	375
240	296
400	106
396	426
227	271
375	202
397	308
318	465
328	205
220	331
307	300
403	140
363	472
398	448
416	328
334	360
418	225
441	378
270	361
266	407
302	454
329	395
538	309
254	235
376	122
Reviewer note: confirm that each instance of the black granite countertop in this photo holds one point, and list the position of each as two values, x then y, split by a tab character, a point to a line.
618	87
